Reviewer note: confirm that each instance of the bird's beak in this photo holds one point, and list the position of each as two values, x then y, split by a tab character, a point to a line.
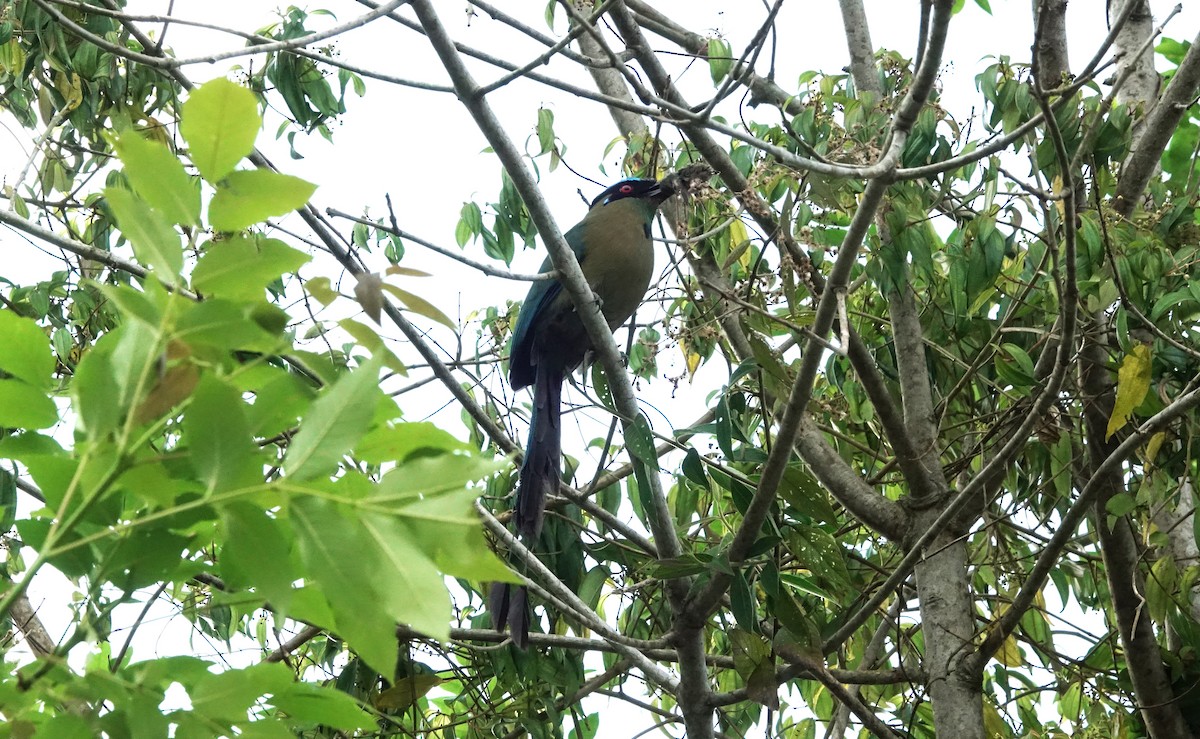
664	188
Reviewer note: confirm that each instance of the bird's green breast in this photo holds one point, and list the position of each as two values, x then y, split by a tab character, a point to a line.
618	257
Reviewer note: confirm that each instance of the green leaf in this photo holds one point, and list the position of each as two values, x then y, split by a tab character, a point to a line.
24	406
1120	504
415	593
219	121
369	339
742	601
26	350
1133	382
720	59
226	696
804	585
753	661
155	241
241	267
545	130
132	303
224	324
257	553
639	439
334	423
323	705
396	443
158	177
352	575
1161	587
218	437
8	501
98	407
430	497
248	197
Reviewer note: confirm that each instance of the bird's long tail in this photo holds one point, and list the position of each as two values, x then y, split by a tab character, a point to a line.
540	474
541	471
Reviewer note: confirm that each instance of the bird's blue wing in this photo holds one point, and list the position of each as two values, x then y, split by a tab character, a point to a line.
521	370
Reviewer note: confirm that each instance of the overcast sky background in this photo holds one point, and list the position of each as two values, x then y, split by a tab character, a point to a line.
422	149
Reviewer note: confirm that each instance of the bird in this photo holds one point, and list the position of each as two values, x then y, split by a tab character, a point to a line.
613	246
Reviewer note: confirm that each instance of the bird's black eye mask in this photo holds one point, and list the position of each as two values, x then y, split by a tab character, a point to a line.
624	189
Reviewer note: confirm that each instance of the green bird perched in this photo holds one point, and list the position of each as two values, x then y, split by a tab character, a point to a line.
613	247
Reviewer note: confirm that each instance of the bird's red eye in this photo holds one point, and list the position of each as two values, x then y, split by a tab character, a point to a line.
626	189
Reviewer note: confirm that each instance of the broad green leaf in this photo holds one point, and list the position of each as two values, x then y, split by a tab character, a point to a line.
158	178
640	441
220	122
132	303
247	197
241	267
801	490
351	573
804	585
155	241
395	443
396	269
224	324
1133	382
26	350
226	696
753	660
443	522
429	476
279	402
218	437
324	705
137	363
98	407
413	588
334	423
24	406
1120	504
257	553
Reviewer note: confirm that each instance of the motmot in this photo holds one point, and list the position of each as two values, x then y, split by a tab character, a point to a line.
613	246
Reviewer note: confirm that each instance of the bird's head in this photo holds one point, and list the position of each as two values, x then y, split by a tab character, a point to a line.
649	190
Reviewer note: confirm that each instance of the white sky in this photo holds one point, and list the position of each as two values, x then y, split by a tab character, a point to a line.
422	149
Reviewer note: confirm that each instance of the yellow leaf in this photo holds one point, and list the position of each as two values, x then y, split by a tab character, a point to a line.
1154	445
1133	382
1009	654
396	269
366	337
321	289
738	236
71	88
419	305
406	692
993	722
